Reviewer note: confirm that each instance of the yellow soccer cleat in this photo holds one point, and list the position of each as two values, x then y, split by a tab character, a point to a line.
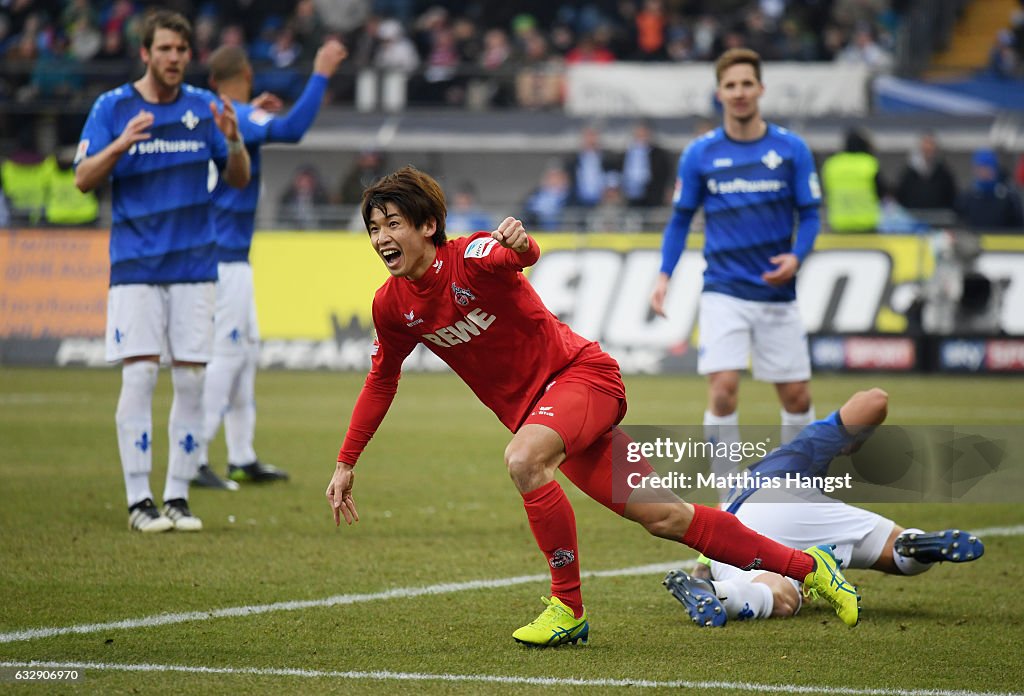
556	625
827	581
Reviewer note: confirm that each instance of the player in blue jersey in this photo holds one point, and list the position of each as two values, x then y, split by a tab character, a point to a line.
230	387
154	140
752	179
807	516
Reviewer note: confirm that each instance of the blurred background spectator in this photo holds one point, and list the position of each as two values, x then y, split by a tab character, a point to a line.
926	183
465	216
853	186
65	205
367	168
646	171
304	204
588	169
24	176
990	204
546	204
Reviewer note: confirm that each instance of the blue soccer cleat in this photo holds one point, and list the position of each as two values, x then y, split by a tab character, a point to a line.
698	598
951	545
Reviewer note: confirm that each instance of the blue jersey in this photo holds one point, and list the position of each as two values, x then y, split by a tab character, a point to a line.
752	193
235	209
162	230
808	454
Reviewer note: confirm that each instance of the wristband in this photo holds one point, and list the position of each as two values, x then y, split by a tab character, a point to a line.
235	146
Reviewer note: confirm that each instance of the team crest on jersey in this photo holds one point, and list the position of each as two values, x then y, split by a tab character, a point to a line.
462	296
772	159
190	120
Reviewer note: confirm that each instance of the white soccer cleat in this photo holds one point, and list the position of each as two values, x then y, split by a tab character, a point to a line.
178	513
144	517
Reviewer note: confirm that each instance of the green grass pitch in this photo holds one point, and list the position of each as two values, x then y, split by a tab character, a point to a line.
437	507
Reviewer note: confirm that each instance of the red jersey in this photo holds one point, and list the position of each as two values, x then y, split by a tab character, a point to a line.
476	311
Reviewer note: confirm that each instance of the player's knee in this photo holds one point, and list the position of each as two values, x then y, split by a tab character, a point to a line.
523	466
795	397
723	400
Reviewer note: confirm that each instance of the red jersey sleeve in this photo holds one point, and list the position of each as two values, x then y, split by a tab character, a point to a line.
390	350
483	252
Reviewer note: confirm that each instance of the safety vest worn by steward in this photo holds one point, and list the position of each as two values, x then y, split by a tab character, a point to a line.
25	187
65	204
851	199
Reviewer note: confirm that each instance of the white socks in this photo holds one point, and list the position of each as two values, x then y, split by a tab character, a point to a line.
221	376
230	395
908	565
722	429
240	420
745	600
134	419
185	430
793	423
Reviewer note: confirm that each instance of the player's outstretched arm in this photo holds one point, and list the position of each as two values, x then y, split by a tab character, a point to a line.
237	172
329	57
512	235
339	494
291	127
93	171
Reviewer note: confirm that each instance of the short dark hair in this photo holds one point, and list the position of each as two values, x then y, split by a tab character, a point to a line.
227	62
415	195
738	56
165	19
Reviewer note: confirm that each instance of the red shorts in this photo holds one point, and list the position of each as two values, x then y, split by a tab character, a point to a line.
585	416
582	402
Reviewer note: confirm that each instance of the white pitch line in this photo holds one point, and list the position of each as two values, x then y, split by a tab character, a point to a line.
1016	530
337	600
504	679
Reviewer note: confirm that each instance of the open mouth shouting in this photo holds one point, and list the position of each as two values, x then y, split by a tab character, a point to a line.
392	257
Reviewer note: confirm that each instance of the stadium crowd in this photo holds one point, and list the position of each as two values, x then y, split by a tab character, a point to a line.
58	55
456	52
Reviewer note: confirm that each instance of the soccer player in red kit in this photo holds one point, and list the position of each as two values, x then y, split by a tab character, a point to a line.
467	301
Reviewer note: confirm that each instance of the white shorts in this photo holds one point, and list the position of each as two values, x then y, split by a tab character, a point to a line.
176	319
729	327
812	518
235	326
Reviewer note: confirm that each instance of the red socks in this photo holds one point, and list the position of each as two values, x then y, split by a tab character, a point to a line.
719	535
554	527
